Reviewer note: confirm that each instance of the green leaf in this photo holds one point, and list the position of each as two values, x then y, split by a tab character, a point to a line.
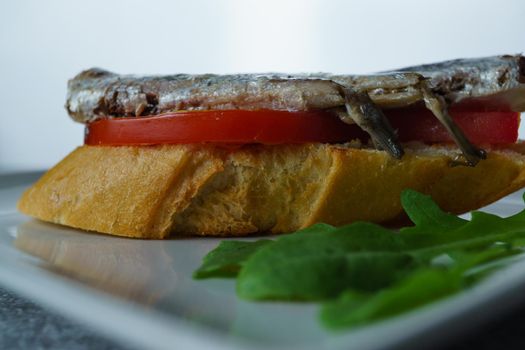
319	278
317	228
320	265
227	258
426	214
481	232
364	272
422	287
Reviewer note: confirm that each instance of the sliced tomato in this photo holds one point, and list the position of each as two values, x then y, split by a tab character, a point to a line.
480	127
230	126
276	127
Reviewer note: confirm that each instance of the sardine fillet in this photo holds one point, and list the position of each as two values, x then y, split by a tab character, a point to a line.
96	93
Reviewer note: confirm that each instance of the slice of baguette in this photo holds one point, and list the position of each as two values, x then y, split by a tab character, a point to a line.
158	191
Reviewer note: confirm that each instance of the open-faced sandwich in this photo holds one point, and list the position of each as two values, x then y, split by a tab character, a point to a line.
250	153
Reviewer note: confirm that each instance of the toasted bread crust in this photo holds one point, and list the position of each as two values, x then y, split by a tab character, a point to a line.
158	191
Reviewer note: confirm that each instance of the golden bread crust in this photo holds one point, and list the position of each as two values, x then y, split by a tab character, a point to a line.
157	191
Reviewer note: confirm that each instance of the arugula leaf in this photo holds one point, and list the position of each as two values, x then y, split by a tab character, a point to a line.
426	215
421	287
317	228
481	232
318	277
227	258
424	285
362	256
364	272
319	265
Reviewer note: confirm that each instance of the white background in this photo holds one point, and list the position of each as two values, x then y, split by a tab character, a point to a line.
44	43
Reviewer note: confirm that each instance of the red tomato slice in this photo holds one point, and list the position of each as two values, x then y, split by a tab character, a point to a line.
480	127
230	126
277	127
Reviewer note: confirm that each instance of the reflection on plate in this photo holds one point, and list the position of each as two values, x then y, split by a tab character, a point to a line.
140	271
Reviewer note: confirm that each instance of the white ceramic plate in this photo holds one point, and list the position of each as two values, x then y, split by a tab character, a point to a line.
141	293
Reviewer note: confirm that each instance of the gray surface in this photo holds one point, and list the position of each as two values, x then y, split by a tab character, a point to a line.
25	325
8	180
